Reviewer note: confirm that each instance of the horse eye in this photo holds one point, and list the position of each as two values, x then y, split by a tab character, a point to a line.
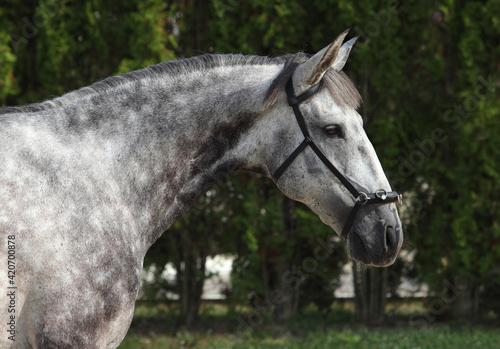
333	130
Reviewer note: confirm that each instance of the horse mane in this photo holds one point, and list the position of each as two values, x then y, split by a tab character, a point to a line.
340	86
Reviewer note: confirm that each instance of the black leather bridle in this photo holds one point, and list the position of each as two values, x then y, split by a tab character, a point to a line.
381	196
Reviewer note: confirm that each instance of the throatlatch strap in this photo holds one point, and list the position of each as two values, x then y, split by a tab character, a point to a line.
277	174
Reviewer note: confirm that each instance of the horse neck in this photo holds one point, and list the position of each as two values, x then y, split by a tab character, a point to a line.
185	133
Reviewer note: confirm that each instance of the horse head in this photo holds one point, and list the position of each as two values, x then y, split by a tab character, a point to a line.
326	160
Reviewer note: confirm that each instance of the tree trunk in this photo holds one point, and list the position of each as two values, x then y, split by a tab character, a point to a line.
370	288
290	286
190	277
463	296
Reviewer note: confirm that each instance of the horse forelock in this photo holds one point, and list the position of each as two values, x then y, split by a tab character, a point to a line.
342	89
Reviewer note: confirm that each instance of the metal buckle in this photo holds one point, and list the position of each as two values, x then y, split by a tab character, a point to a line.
363	198
381	194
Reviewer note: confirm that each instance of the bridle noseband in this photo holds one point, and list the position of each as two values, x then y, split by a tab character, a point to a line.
381	196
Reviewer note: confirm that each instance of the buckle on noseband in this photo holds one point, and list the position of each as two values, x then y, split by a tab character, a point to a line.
381	194
363	198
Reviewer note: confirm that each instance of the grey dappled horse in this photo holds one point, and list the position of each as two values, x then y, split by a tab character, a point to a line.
89	180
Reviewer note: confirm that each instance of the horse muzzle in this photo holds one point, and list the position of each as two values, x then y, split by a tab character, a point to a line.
376	236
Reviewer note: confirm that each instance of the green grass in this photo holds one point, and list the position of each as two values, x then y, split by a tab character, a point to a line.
437	337
156	327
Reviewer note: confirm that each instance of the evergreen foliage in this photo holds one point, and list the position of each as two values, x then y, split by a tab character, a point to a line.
429	76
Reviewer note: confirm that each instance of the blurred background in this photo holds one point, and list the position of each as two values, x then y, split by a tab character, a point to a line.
247	267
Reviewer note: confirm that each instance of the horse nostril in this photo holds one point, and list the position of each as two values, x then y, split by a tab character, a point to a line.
390	238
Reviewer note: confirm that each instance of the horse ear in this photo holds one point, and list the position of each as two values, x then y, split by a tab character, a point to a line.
343	54
333	56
